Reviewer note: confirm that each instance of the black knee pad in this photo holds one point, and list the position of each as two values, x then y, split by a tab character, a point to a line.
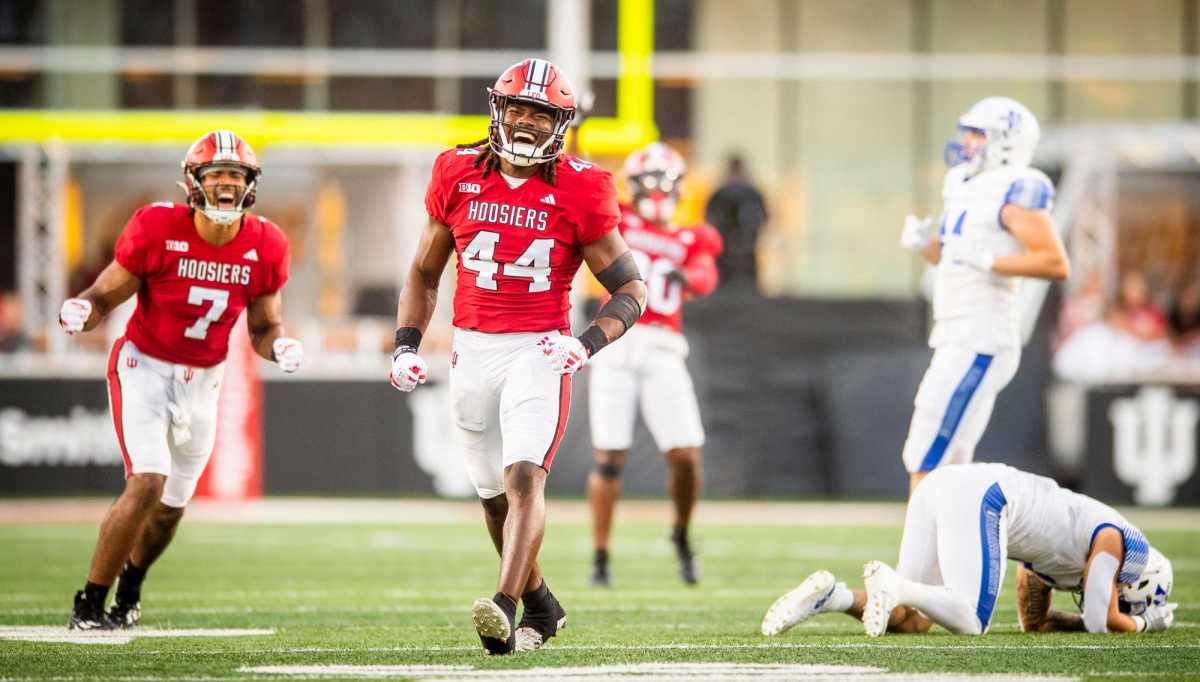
609	471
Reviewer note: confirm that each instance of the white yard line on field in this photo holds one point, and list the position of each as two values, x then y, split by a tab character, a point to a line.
782	646
60	634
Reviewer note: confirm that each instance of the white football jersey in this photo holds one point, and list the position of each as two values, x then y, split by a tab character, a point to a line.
972	308
1050	529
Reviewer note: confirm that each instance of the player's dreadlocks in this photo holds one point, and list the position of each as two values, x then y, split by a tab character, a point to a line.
491	161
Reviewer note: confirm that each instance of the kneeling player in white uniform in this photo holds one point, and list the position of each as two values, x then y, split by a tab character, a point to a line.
645	368
995	228
963	523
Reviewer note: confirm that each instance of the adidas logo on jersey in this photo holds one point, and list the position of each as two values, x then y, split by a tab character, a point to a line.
548	199
251	255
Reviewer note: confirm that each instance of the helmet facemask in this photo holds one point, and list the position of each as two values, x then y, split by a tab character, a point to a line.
523	145
222	203
1152	588
975	156
655	195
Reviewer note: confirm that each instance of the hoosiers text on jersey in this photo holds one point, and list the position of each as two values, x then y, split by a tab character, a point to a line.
193	292
518	247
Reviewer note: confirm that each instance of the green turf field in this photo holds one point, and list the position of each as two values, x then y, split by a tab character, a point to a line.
397	594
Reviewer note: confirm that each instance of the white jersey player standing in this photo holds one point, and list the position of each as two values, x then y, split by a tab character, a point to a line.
963	524
995	228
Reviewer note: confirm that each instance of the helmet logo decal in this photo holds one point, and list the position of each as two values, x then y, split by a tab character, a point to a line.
537	77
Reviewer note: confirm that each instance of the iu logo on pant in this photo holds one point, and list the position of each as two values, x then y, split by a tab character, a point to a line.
1154	443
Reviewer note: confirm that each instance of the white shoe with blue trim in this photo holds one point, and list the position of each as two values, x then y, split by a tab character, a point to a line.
813	596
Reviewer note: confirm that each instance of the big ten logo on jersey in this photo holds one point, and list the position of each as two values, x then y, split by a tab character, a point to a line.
1154	443
469	188
496	213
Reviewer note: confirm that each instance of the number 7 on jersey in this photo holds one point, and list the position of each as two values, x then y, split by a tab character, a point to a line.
200	295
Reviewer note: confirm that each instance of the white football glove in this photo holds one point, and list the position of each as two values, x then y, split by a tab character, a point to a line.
916	232
408	369
565	354
955	250
74	314
289	353
1157	617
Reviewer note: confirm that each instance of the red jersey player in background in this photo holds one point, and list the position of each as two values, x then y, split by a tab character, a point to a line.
194	267
647	367
521	216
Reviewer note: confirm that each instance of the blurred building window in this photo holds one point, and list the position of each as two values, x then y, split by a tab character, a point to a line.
353	93
673	24
22	22
514	24
147	22
381	23
673	109
21	90
473	96
605	90
8	218
237	92
147	91
604	25
261	23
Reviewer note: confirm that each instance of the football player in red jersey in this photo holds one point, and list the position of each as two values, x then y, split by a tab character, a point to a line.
194	267
521	216
647	367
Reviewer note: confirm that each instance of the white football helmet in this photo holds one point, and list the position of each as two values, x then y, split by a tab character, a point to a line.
1152	587
1011	130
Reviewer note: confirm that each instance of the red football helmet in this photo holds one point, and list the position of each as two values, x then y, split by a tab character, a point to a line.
220	148
538	82
655	174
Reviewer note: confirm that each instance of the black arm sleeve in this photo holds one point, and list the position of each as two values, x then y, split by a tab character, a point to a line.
619	273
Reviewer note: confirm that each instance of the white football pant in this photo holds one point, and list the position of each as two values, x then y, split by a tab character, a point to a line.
508	405
953	405
955	548
165	415
644	369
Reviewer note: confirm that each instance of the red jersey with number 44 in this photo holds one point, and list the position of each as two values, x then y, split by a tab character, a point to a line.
193	292
518	247
661	250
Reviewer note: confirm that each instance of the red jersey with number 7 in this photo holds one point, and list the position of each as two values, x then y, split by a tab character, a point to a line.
192	291
518	247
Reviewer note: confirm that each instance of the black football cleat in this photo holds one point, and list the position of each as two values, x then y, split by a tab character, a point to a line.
493	620
88	615
689	569
124	614
600	569
540	623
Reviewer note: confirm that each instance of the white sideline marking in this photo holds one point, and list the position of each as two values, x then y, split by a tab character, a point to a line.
57	633
640	672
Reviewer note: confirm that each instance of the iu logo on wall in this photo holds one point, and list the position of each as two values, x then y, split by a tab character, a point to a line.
1154	442
235	470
